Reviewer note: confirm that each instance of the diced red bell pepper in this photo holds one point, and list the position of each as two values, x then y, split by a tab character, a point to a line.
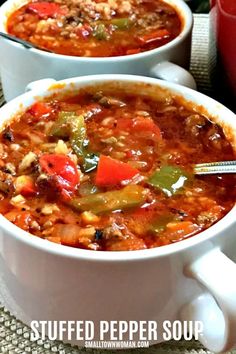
138	124
40	109
112	172
154	36
29	191
146	124
63	169
46	9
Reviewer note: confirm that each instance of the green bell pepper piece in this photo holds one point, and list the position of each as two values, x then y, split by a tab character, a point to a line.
78	135
169	179
128	197
100	32
159	224
90	161
122	23
73	126
62	126
80	145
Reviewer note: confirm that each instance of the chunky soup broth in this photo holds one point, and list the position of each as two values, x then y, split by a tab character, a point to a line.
94	28
112	171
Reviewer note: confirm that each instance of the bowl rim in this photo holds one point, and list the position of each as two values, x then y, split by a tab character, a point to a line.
12	107
186	18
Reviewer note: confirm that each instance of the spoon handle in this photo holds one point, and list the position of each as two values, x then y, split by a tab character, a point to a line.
17	40
26	44
215	168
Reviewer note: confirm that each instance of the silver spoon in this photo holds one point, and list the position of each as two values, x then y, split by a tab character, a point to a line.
26	44
211	168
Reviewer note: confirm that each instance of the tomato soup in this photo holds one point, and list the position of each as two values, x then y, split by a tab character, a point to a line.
113	171
93	28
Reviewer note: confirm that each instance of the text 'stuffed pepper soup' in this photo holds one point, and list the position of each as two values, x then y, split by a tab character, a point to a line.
111	170
95	28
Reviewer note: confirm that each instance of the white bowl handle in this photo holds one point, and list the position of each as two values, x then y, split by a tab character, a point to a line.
173	73
39	84
216	309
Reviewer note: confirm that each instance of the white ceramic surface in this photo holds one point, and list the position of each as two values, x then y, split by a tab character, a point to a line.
19	66
190	280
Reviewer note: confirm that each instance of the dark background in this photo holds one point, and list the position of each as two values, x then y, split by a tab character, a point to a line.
199	6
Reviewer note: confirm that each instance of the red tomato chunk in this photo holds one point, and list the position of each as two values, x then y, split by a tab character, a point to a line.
40	109
62	168
111	172
46	9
